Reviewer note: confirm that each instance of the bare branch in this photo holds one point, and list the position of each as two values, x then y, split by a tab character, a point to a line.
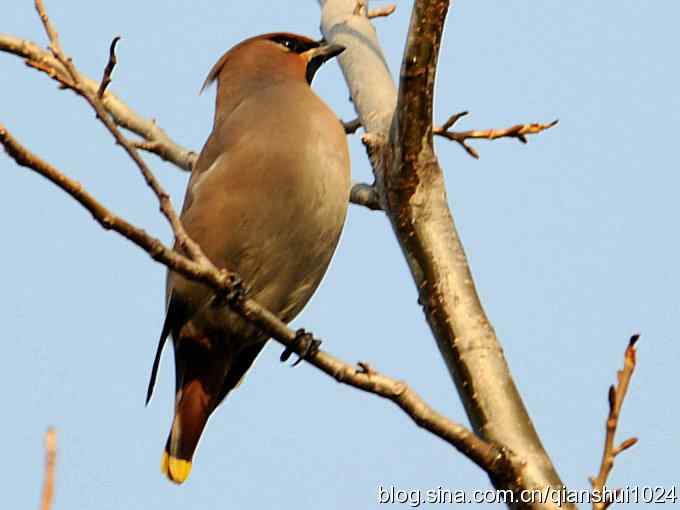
616	396
106	78
488	456
518	131
75	84
108	220
50	463
420	215
122	114
411	188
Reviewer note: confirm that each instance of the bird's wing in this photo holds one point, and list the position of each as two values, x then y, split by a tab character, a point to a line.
171	319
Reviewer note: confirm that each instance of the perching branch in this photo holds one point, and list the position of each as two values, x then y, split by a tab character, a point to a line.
191	262
518	131
50	463
616	396
110	221
223	282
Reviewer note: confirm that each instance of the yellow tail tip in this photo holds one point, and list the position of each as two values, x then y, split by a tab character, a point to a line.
177	470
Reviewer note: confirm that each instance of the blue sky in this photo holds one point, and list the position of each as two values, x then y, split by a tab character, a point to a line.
572	240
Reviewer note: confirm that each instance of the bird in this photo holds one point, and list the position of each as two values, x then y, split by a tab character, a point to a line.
267	199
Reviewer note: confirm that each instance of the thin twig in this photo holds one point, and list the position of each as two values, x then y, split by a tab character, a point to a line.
616	396
518	131
106	78
110	221
50	463
184	241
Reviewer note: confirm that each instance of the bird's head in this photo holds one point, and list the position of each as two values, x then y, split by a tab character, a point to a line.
273	57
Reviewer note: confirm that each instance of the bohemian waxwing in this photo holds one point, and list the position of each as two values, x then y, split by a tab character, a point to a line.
267	199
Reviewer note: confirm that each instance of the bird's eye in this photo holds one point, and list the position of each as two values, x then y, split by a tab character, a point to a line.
292	44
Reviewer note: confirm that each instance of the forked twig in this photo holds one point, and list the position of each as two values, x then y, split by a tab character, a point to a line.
616	395
518	131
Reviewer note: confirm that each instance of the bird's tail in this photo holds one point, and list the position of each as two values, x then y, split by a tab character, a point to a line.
204	378
192	409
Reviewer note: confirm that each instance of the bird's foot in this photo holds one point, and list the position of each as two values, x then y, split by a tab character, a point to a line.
304	343
233	295
237	293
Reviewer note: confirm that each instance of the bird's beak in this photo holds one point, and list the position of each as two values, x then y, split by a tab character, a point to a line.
323	53
317	56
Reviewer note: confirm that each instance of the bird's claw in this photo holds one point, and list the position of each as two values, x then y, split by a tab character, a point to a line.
235	293
305	343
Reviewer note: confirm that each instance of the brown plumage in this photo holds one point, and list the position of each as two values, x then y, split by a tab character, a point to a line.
267	198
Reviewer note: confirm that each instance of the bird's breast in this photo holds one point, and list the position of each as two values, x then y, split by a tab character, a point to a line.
269	195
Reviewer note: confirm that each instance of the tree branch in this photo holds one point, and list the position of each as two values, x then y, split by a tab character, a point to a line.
411	188
224	283
616	396
486	454
75	84
107	219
